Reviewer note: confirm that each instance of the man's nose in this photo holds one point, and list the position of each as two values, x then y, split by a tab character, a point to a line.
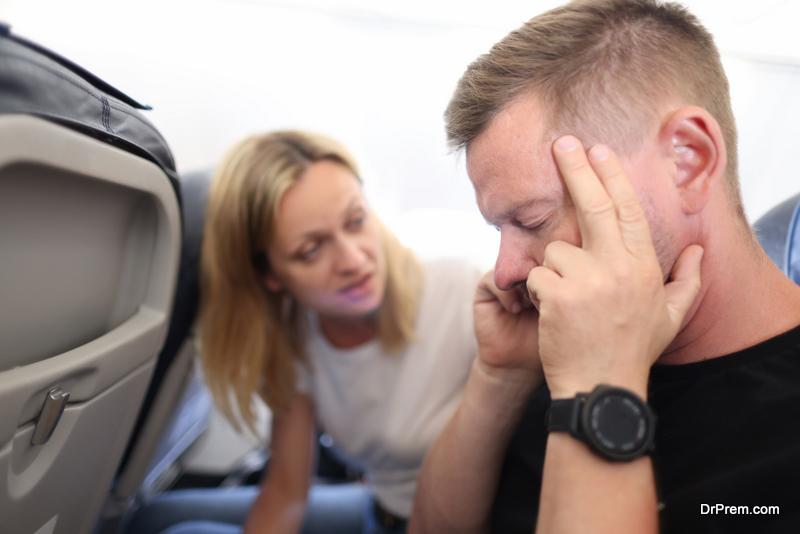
514	261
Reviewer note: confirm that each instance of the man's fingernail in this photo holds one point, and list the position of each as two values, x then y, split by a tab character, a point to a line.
516	308
567	143
599	152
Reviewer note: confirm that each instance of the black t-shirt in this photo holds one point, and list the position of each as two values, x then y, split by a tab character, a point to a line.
728	433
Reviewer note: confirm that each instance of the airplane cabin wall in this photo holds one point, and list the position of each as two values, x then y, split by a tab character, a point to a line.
378	76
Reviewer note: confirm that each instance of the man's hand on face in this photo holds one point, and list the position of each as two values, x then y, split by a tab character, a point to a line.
605	314
506	327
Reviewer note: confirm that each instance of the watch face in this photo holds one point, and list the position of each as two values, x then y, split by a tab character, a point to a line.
617	425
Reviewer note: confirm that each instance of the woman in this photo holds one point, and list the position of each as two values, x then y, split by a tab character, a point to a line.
311	303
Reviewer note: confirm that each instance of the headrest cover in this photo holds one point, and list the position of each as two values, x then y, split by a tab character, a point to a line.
778	233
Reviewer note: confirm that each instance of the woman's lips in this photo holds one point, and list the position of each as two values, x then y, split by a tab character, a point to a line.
359	289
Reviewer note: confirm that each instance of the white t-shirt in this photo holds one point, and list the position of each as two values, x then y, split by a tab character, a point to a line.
384	411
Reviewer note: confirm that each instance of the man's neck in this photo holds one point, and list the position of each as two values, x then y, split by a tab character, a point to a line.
745	299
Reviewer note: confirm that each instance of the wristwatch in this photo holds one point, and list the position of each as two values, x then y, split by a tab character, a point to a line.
614	422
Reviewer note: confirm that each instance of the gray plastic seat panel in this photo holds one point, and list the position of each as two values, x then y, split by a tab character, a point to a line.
56	481
89	249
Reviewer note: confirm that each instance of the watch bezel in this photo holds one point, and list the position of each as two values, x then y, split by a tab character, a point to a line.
594	437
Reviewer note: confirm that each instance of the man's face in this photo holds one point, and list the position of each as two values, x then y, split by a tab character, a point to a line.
519	190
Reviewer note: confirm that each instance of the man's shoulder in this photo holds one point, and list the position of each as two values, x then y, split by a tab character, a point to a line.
725	435
772	353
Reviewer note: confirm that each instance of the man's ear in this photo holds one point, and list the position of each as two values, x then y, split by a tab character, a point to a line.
692	139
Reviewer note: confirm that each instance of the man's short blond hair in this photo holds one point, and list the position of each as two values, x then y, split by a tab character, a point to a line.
604	70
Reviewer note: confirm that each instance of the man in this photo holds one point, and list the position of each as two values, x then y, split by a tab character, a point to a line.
643	275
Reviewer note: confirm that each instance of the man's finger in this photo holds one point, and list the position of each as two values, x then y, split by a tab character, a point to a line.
633	227
489	293
565	259
684	286
597	217
540	281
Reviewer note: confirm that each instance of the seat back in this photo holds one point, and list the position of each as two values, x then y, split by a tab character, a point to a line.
89	245
178	406
778	231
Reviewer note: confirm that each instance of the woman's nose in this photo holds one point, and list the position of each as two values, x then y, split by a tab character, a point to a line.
350	255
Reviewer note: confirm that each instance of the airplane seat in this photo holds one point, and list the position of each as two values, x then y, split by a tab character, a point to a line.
90	237
177	407
778	231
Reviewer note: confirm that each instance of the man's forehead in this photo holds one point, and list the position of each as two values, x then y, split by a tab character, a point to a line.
520	127
512	154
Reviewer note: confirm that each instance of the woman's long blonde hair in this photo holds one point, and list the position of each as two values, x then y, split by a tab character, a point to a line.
251	337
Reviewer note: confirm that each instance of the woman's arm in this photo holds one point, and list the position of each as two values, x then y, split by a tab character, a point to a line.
280	506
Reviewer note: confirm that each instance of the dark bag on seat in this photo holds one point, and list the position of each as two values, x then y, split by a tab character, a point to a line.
36	81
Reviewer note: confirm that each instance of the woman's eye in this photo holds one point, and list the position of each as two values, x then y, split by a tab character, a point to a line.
356	223
309	253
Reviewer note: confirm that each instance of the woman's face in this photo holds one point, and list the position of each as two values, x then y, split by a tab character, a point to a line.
327	249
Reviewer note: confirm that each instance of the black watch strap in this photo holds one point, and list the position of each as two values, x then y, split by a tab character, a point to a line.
564	414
